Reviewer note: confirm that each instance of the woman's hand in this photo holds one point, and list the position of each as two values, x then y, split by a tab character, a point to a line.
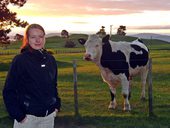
56	110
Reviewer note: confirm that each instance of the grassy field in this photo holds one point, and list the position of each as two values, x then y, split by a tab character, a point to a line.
93	93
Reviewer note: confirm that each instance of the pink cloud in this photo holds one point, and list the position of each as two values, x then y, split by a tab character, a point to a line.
100	7
150	27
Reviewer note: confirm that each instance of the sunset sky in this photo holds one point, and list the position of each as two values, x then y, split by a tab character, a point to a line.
87	16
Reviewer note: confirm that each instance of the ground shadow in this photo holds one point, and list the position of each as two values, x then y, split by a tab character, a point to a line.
109	122
101	122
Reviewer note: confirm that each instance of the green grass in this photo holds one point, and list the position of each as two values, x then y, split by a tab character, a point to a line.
93	93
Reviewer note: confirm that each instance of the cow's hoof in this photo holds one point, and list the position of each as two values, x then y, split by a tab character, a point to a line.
127	107
112	105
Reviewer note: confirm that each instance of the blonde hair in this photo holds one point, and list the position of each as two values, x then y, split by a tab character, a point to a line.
26	34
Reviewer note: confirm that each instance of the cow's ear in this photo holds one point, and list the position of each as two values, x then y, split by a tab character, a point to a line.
81	41
106	39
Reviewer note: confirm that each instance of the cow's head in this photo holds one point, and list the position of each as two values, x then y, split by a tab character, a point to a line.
93	46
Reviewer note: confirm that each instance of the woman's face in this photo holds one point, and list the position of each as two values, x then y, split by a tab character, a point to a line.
36	38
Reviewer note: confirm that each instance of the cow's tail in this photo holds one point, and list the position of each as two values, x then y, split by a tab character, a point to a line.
143	42
140	40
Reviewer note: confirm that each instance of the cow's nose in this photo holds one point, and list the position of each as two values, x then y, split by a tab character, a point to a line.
87	57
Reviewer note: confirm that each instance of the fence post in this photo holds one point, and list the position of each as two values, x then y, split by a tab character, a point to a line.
150	88
75	88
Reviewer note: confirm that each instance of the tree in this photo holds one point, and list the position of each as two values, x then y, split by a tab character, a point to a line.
18	37
64	34
69	44
121	30
101	32
8	19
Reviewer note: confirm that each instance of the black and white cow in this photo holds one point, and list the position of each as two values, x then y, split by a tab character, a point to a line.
118	63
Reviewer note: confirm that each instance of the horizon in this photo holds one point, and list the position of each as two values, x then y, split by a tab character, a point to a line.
13	33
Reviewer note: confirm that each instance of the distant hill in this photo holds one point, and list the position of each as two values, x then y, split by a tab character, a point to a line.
152	36
140	35
53	34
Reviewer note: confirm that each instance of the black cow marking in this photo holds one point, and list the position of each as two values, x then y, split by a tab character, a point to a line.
138	59
112	96
115	61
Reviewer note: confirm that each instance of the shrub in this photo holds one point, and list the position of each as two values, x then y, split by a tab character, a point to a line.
70	44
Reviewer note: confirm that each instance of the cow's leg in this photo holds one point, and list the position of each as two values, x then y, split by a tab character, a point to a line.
126	103
108	77
125	92
113	103
144	74
130	86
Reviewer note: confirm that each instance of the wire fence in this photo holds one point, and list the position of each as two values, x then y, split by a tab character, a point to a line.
75	87
9	52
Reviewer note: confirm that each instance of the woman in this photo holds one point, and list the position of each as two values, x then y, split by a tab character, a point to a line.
30	92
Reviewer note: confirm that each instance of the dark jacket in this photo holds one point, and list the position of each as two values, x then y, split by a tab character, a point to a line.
30	86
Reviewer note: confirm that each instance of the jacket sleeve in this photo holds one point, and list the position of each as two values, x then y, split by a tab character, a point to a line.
10	94
58	99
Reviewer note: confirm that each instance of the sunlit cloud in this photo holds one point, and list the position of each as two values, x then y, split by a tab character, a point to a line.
151	27
90	15
93	7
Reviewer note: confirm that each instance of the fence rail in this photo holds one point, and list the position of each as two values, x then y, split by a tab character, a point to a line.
9	52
